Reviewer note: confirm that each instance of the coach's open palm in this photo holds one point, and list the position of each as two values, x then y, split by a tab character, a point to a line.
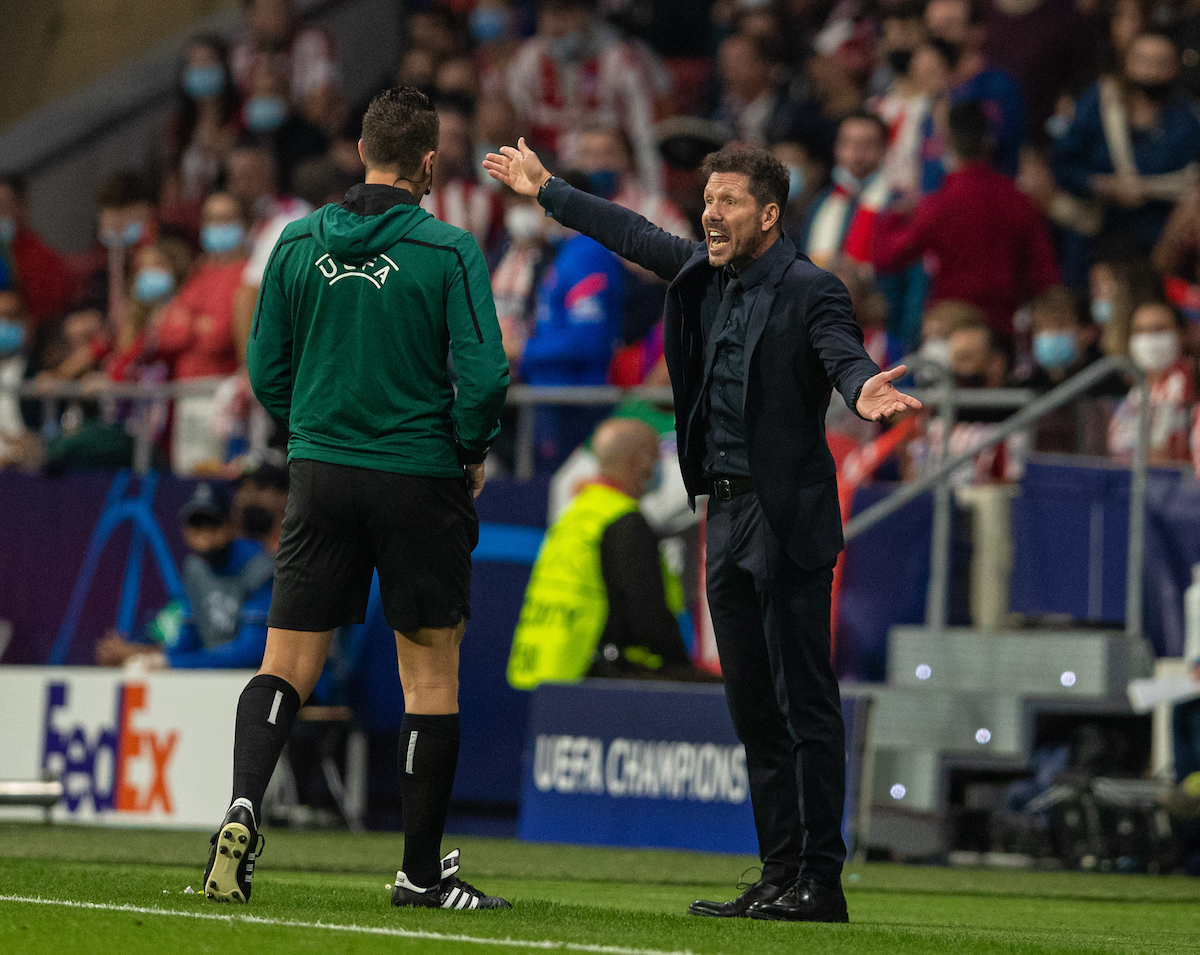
518	168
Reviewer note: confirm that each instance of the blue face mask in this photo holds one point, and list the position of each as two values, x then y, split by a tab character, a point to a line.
1102	310
153	284
12	337
219	239
204	82
847	180
569	47
604	182
265	114
1055	350
131	235
489	23
796	182
8	229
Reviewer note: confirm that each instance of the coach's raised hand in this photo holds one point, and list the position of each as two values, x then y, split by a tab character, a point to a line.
518	168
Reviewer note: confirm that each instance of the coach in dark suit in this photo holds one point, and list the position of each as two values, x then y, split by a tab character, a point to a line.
755	337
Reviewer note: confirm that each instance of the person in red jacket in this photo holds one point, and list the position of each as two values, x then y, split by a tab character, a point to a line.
41	273
989	244
194	332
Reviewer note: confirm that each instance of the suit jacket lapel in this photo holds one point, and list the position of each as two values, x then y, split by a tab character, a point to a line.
762	311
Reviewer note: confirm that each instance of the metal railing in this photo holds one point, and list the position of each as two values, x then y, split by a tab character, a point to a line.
948	400
939	481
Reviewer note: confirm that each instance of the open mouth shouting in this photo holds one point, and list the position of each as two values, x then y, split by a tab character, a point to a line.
717	240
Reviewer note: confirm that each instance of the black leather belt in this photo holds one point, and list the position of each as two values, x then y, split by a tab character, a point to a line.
726	489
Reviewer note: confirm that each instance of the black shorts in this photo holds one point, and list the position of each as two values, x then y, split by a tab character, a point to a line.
343	522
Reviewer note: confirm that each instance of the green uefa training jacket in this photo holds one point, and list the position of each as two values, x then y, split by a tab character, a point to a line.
360	306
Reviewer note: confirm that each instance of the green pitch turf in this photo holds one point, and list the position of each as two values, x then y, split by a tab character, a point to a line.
94	891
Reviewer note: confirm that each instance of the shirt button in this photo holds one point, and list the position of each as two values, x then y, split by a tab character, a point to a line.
722	454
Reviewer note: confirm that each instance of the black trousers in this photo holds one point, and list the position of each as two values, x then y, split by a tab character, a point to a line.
771	620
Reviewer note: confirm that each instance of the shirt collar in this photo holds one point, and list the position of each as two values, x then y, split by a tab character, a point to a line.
761	267
372	199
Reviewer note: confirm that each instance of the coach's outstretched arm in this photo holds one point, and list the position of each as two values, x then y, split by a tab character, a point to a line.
616	228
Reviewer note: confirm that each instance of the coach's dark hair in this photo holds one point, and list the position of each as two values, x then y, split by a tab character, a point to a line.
398	129
768	177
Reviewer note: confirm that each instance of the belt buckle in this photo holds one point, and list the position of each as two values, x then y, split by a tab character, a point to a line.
723	490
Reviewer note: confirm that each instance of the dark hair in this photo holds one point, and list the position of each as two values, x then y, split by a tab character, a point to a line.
577	179
864	116
969	133
119	190
769	177
398	129
16	183
950	52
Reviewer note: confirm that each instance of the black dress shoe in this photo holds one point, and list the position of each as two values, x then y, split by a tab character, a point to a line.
757	893
804	902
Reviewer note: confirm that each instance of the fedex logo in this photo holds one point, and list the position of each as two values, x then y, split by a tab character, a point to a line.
117	768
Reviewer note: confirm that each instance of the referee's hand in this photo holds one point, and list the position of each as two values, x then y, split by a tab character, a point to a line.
476	477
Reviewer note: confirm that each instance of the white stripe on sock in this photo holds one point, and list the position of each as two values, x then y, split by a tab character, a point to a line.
412	749
275	707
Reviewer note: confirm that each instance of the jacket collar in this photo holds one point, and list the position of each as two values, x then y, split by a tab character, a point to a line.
372	199
780	255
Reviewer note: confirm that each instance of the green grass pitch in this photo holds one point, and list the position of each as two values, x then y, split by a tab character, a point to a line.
93	891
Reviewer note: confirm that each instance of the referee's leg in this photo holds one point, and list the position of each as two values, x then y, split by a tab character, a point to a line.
267	708
429	740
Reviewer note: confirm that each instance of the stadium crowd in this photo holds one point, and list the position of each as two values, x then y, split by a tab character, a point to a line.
1009	189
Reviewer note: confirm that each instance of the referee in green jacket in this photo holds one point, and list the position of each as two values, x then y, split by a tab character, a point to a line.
361	307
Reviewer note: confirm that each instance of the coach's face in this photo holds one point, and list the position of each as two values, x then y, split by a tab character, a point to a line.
736	228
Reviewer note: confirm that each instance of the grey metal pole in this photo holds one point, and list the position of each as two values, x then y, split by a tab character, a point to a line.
526	415
939	546
143	441
1137	515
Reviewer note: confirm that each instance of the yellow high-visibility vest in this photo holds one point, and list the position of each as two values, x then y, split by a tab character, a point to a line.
566	604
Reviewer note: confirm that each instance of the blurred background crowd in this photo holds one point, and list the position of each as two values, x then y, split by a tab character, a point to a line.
1010	189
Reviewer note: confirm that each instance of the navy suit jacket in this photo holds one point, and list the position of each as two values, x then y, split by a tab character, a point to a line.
801	342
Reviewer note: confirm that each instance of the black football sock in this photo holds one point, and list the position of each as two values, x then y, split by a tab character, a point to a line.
266	710
428	760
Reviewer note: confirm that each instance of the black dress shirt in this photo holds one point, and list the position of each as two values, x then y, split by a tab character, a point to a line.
725	313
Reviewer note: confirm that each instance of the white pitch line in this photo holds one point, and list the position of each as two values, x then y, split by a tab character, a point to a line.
550	944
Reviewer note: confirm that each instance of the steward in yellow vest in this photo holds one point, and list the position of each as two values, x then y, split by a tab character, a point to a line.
599	592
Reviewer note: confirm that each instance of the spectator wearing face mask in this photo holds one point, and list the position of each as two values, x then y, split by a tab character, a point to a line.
269	114
456	196
990	245
494	30
843	217
158	271
1064	344
127	221
194	333
574	70
1155	345
31	265
203	130
518	273
1133	144
261	497
222	620
605	155
808	174
303	56
961	25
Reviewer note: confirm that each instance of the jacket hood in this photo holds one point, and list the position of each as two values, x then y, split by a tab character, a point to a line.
370	220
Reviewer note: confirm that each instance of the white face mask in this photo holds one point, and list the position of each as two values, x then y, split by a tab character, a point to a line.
1154	351
524	222
936	350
